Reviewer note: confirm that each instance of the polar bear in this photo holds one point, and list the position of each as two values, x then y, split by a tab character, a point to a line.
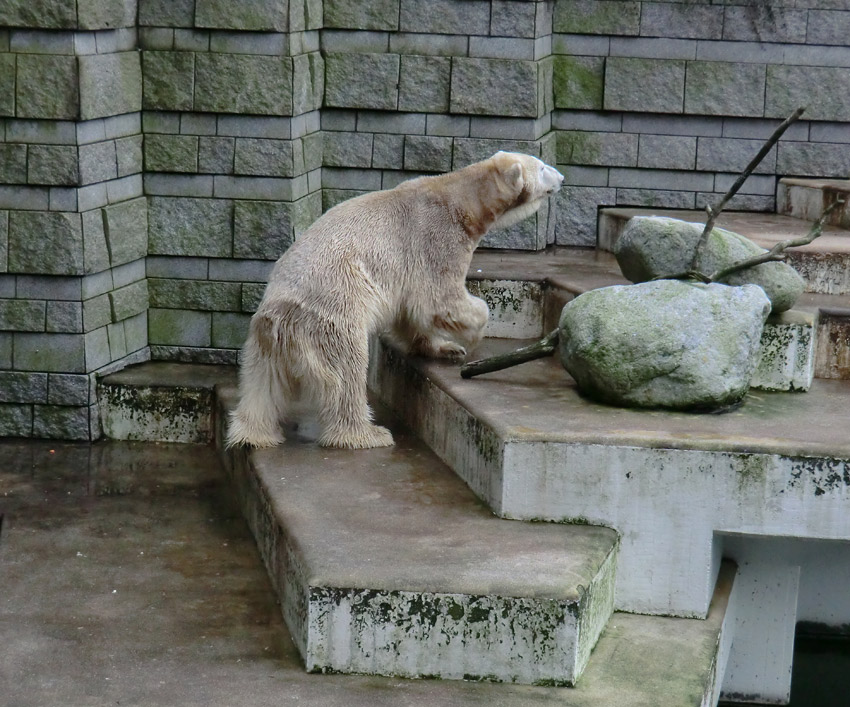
391	261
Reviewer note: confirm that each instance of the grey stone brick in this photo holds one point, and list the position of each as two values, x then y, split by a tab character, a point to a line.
644	85
401	123
17	387
578	82
313	150
427	153
305	212
660	179
825	90
445	16
63	422
40	42
429	44
470	150
49	353
240	270
191	40
759	23
168	83
577	211
128	155
509	18
828	27
605	149
717	154
7	84
216	154
136	332
6	350
106	14
156	38
63	199
347	149
739	202
160	122
350	14
308	82
98	162
362	81
13	163
97	349
95	284
178	185
496	87
501	48
4	246
126	229
124	188
85	43
117	341
597	17
388	151
262	229
179	327
49	132
229	329
58	249
725	88
110	84
254	126
47	86
22	315
339	119
828	132
254	188
128	273
652	48
49	14
129	301
97	312
193	227
195	295
424	84
762	129
242	83
171	153
673	125
15	420
655	198
64	317
448	125
195	124
270	15
45	287
17	197
69	389
167	13
578	175
756	184
332	197
348	41
355	179
696	21
667	152
743	52
262	157
252	295
813	159
7	287
182	268
269	43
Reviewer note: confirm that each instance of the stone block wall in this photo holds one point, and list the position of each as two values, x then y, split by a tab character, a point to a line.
157	156
663	103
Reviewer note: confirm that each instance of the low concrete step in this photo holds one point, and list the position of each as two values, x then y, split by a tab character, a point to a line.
823	264
526	293
387	564
807	199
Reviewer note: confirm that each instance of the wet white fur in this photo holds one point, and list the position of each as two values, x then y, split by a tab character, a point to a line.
393	261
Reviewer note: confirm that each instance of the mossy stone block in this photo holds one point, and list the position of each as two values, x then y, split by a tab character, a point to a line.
13	163
427	153
243	83
97	312
4	245
578	82
43	14
725	88
178	327
95	250
191	227
128	301
69	389
51	353
15	420
64	317
47	87
618	17
215	154
445	16
308	82
19	387
354	14
201	295
128	155
168	80
644	85
229	329
53	165
7	85
45	243
126	229
424	84
62	422
505	87
825	90
262	229
171	153
368	81
110	84
347	149
106	14
166	13
263	157
22	315
255	15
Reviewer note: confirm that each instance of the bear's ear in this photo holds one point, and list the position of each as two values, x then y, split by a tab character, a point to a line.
513	177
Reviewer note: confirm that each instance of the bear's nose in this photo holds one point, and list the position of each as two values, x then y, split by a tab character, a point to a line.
556	179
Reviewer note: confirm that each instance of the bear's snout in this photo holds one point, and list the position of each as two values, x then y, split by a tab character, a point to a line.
552	179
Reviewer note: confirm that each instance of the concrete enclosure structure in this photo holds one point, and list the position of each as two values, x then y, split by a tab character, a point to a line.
157	156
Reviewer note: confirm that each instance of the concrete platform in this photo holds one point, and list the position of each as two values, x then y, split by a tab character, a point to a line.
127	576
387	564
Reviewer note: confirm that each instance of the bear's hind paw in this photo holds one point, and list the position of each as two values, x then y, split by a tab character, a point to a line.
359	438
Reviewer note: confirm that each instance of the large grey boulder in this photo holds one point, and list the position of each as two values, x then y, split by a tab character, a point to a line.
655	246
668	343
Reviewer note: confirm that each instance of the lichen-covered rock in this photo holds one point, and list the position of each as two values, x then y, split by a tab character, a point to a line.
668	343
655	246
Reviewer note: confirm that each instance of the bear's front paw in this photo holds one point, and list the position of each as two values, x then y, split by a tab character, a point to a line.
452	351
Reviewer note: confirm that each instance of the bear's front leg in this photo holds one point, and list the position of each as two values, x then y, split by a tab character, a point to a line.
453	328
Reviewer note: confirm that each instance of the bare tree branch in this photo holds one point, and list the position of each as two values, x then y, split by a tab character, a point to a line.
545	347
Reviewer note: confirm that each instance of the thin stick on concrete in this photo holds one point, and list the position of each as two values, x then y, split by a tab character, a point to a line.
545	347
778	251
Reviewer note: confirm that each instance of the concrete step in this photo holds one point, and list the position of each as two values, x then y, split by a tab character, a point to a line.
808	198
386	564
823	264
526	292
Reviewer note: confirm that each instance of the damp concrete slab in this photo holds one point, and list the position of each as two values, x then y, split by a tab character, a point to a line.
127	576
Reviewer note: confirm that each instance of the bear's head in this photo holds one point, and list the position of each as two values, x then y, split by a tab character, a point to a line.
530	179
